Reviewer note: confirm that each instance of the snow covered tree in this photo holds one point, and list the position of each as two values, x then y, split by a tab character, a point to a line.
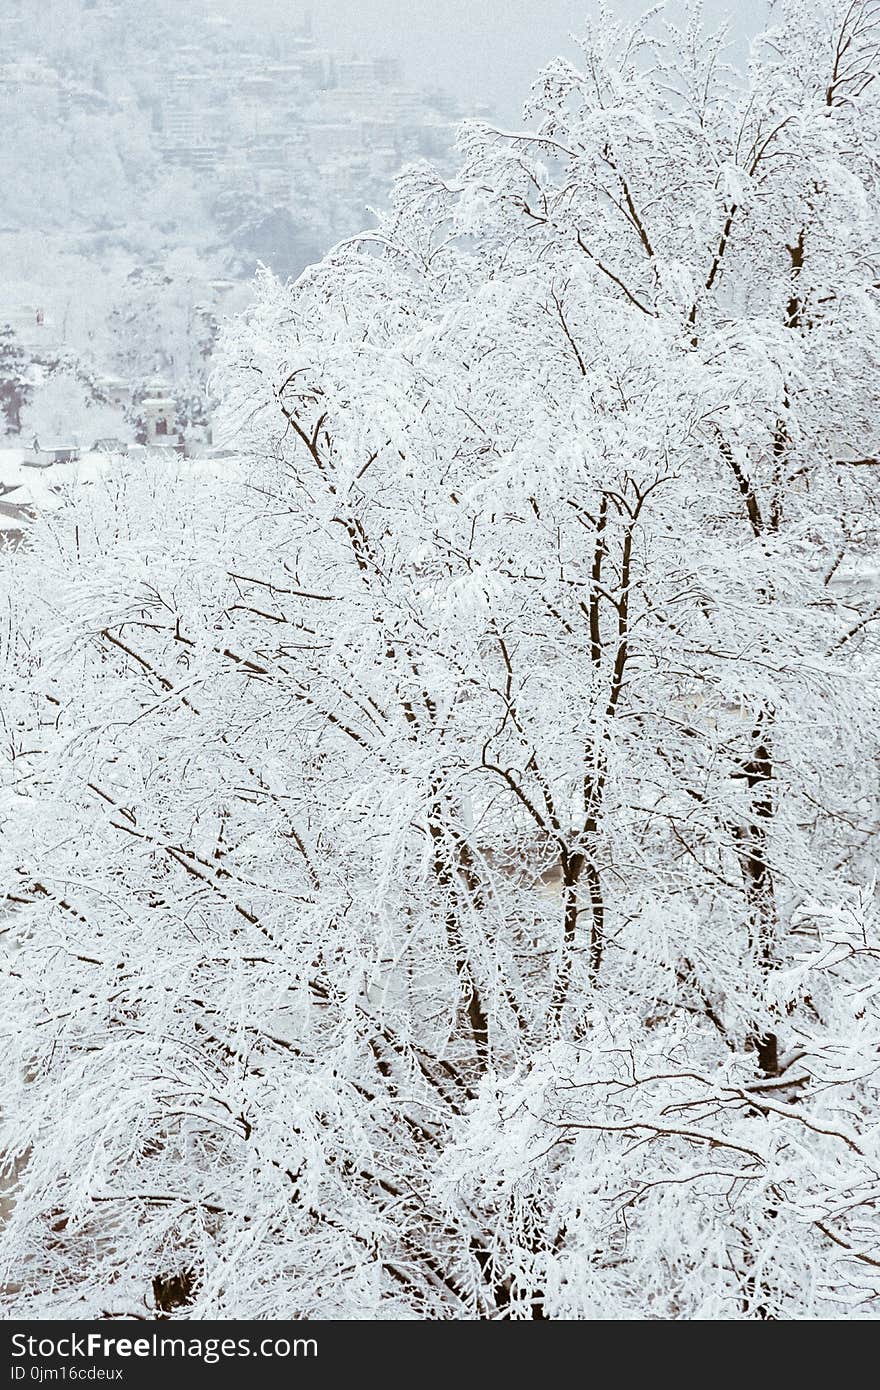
163	319
66	405
15	387
438	846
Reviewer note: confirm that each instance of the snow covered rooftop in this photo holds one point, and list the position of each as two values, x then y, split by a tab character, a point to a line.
23	485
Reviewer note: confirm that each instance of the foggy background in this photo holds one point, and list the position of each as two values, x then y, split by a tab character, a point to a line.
156	152
481	50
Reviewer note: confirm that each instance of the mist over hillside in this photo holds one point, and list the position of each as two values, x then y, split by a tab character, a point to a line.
153	157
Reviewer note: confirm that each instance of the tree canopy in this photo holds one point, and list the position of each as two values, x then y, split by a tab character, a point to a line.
437	844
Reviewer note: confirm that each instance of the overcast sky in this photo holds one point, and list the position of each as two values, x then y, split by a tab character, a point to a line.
482	50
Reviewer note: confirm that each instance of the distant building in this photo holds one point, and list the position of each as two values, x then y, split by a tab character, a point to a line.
35	330
199	157
386	72
45	453
159	410
114	390
27	83
354	74
109	444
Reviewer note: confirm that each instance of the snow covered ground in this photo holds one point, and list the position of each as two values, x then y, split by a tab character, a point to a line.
25	488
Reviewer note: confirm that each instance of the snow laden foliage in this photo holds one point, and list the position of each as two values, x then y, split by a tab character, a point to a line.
437	853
